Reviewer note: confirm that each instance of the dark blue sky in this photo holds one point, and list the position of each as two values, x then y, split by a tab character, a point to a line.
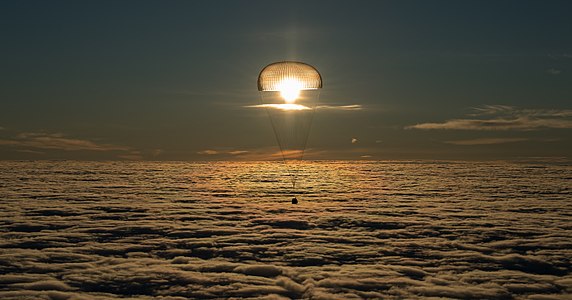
170	80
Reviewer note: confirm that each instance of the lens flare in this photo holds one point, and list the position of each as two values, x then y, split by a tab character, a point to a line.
290	89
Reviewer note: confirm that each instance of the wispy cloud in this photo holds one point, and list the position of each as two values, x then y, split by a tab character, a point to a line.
58	141
496	124
30	151
519	112
44	143
341	107
351	107
486	141
502	117
261	154
288	154
208	152
237	152
553	71
217	152
287	106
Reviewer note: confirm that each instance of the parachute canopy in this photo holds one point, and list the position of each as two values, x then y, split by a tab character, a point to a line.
283	75
289	91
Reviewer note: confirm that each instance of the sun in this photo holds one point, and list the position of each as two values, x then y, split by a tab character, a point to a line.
290	89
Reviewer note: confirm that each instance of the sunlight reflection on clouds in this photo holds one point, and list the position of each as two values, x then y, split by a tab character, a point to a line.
222	230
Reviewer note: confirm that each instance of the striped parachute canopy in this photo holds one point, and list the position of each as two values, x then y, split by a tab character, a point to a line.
274	76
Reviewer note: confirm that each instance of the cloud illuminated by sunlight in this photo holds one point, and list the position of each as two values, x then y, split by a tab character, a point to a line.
341	107
350	107
486	141
45	143
237	152
208	152
292	154
287	106
58	141
502	117
217	152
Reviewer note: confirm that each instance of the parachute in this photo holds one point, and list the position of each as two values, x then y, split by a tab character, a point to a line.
289	91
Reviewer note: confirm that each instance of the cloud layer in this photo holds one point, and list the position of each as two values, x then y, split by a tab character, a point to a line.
486	141
44	142
57	141
221	152
287	106
500	117
219	230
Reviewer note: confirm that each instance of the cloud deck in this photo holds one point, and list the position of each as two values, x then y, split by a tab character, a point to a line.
75	230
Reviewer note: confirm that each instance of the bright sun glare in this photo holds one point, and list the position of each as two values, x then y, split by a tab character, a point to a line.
290	89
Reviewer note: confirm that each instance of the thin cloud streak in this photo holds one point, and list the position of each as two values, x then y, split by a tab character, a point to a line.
217	152
281	106
351	107
500	117
208	152
341	107
486	141
261	154
237	152
495	124
514	111
58	141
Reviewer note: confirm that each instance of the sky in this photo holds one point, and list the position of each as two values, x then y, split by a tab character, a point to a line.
155	80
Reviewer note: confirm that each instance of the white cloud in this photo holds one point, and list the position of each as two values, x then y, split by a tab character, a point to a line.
500	117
